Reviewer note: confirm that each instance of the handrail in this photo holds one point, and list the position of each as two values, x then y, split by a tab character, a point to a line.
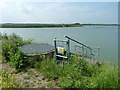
78	42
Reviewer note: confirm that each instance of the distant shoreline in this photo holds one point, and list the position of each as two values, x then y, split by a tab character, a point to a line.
51	25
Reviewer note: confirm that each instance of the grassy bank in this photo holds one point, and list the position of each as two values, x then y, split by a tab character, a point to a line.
80	74
77	73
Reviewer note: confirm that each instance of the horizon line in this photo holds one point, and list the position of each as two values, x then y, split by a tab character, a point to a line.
49	23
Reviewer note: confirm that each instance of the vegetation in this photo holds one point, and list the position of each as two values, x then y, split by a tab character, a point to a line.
7	80
39	25
101	24
77	73
11	50
11	25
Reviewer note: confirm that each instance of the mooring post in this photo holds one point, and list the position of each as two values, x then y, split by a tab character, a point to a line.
55	49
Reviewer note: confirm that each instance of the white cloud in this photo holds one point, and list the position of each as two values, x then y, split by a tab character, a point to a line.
24	7
53	12
3	4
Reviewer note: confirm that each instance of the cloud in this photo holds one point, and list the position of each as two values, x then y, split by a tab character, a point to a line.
23	7
54	12
3	4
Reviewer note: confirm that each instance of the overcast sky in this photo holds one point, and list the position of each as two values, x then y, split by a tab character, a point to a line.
60	12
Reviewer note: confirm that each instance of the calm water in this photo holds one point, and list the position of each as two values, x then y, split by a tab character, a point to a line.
106	37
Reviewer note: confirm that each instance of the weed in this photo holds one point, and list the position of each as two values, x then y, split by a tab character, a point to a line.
40	80
27	77
26	84
30	73
8	80
43	86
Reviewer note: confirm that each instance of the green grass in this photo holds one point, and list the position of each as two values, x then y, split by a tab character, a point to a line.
26	84
27	77
81	74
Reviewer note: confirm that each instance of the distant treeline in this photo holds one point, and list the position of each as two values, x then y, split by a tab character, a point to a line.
11	25
102	24
38	25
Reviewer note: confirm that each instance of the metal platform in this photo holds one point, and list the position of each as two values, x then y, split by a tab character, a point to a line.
37	49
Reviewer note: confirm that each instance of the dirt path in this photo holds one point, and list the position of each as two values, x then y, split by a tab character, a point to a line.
31	78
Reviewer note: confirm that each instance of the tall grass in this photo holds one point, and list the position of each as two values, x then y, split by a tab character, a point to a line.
79	73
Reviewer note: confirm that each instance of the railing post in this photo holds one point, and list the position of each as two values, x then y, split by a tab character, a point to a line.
75	48
90	54
55	53
82	51
98	52
68	47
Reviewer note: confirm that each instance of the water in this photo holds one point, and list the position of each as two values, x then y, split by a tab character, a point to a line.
106	37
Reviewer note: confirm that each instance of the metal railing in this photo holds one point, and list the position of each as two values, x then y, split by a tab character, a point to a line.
80	49
84	50
78	42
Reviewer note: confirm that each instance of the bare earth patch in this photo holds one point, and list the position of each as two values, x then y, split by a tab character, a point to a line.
31	78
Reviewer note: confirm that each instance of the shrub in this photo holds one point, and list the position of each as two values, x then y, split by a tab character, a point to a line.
11	50
18	59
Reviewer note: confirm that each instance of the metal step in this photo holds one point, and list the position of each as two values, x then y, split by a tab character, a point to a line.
61	56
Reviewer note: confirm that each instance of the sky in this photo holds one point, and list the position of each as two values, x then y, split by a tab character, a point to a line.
59	12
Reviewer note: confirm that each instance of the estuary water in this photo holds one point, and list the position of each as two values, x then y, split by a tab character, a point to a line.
106	37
